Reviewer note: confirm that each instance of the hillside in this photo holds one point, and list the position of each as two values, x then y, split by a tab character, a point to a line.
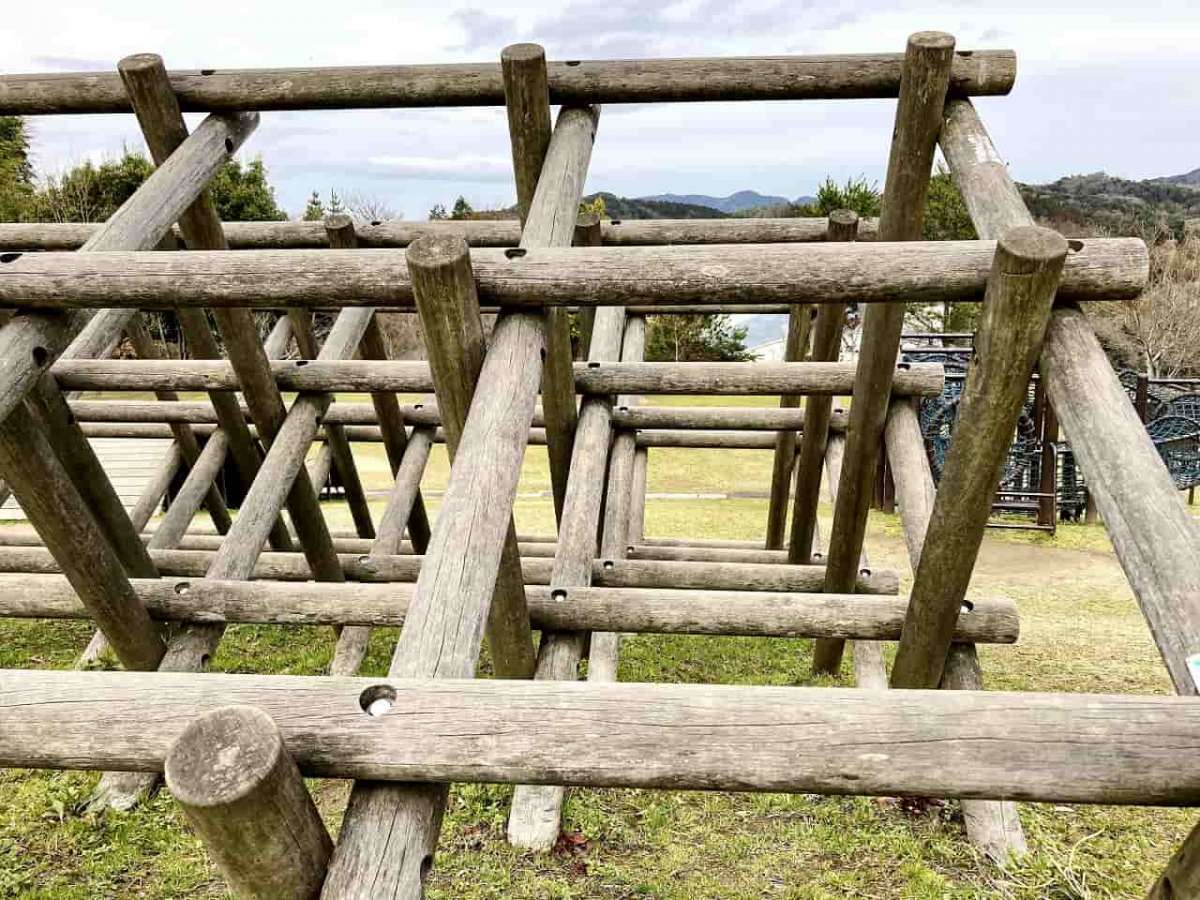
627	208
1105	203
735	202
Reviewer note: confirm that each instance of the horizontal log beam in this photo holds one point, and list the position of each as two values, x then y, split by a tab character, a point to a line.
637	417
904	272
572	82
639	610
406	567
362	375
482	233
1068	748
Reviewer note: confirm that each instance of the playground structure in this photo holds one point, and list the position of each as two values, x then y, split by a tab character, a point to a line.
466	572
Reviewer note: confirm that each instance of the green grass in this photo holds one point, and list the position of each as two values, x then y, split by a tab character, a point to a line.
1081	631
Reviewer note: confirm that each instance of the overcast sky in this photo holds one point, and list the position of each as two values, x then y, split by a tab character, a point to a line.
1102	84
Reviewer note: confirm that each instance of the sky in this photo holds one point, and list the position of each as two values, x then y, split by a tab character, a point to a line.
1101	85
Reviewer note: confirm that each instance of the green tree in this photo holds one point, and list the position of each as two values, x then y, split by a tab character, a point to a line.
856	194
91	193
946	216
314	211
16	173
437	213
701	338
462	209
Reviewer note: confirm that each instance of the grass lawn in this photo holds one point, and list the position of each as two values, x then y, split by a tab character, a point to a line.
1081	631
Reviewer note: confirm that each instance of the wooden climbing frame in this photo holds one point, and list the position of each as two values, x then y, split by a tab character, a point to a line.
162	597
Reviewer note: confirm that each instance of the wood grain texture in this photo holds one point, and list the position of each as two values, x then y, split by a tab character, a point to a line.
481	233
244	796
1008	341
602	378
875	273
481	84
796	347
927	63
1071	748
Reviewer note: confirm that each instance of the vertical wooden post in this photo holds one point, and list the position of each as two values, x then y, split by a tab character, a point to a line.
440	267
827	345
242	792
548	167
1016	310
1048	482
800	319
536	814
637	509
587	234
925	77
1142	399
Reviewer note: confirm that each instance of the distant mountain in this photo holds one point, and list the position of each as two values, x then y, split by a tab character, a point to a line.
1103	203
731	204
1188	179
643	208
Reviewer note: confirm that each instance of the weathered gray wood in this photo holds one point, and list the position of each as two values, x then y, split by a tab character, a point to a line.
242	792
750	418
477	233
818	411
406	567
800	318
641	610
637	510
387	407
73	536
927	63
590	378
1155	539
156	488
553	211
993	826
353	642
1182	875
536	812
195	489
1072	748
449	611
480	84
876	273
587	234
527	102
1007	343
453	329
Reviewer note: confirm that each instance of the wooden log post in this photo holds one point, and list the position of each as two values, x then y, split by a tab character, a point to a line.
239	787
341	233
453	330
162	124
730	278
547	167
818	410
587	234
926	77
153	494
1156	541
390	833
536	813
1015	313
637	508
974	73
796	349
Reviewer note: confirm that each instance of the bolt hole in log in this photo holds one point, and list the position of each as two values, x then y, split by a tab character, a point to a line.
865	573
377	700
571	62
623	408
515	252
593	365
609	565
364	559
418	406
376	223
966	54
9	257
818	556
301	362
903	365
208	71
558	595
182	588
614	222
229	148
40	356
204	660
967	606
1074	246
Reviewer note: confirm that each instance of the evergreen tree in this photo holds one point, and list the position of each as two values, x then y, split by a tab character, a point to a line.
314	211
437	213
16	174
462	209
